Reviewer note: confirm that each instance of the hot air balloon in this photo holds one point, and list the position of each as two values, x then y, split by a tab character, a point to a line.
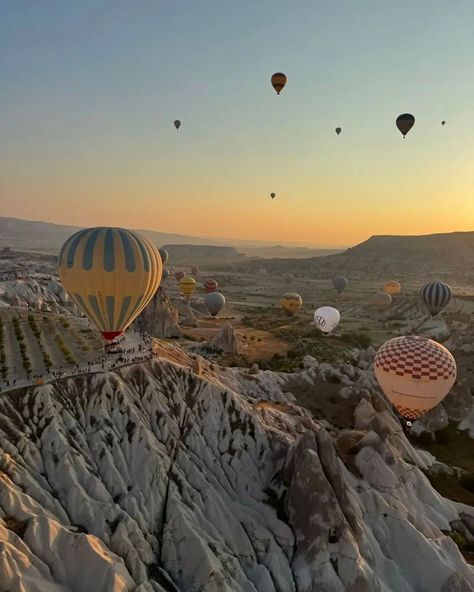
338	130
111	274
326	318
340	283
214	302
405	122
210	286
436	296
278	81
382	301
177	124
187	285
164	255
272	195
194	270
392	287
179	275
165	275
291	303
415	373
443	123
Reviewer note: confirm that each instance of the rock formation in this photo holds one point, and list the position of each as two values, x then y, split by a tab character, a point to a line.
226	341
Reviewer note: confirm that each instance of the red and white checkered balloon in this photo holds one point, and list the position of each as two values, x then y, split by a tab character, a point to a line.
415	373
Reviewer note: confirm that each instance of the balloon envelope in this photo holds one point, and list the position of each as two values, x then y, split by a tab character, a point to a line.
382	301
194	269
326	318
415	373
165	274
436	296
210	285
272	195
179	275
187	285
111	274
443	123
164	255
278	81
291	303
214	302
177	124
338	130
405	122
392	287
340	283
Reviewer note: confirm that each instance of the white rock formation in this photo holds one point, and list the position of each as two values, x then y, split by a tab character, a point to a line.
226	341
154	479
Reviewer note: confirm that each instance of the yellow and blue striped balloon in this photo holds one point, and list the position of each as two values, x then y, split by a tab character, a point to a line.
111	274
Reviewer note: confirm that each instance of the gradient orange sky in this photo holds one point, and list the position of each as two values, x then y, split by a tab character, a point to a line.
91	90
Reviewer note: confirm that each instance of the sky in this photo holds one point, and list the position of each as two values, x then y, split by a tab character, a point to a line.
89	91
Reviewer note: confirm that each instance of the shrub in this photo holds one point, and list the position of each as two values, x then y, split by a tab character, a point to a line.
444	436
425	439
467	481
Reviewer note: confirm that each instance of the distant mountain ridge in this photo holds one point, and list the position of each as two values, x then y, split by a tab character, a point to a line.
441	255
45	236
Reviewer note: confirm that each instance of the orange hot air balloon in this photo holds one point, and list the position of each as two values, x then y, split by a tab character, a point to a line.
382	301
291	303
392	287
415	373
278	81
210	286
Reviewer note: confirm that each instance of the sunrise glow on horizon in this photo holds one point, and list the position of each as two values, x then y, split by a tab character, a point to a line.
90	91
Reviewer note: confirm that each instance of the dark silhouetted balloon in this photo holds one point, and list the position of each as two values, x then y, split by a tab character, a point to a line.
164	255
338	130
340	283
405	122
278	81
272	195
443	123
177	124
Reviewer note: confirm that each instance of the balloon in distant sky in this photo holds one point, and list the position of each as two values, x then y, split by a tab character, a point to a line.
278	81
177	124
405	122
382	301
443	123
214	302
338	130
179	275
272	195
392	287
340	283
111	274
415	373
187	285
291	303
194	269
210	285
436	296
164	255
326	318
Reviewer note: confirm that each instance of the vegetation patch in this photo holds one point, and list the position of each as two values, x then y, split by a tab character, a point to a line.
39	338
3	360
64	349
21	345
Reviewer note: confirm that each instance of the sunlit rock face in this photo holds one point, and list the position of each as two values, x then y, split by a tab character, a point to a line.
159	478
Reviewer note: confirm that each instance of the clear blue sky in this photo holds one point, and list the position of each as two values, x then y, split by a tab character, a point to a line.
89	91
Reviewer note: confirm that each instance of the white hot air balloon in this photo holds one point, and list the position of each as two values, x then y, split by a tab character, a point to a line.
326	318
214	302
